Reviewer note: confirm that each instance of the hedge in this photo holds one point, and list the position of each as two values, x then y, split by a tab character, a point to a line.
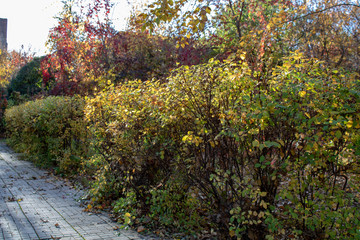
51	131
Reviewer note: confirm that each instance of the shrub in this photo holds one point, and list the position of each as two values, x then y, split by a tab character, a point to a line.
28	80
265	154
50	130
127	135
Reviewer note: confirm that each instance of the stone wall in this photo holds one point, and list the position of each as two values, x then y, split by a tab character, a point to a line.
3	33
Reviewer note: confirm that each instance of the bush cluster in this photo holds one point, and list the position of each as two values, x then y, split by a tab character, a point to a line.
255	155
50	131
219	146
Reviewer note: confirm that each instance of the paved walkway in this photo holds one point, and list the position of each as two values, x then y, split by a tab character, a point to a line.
34	205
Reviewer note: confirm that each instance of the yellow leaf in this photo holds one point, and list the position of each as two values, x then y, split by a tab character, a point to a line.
302	93
243	56
263	194
268	27
349	124
208	10
263	204
282	143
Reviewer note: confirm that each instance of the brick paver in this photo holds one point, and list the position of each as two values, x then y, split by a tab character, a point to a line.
34	205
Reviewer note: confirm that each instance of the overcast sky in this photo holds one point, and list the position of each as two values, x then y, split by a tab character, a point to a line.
29	21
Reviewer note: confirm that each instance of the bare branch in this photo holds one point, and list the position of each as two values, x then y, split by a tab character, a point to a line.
320	11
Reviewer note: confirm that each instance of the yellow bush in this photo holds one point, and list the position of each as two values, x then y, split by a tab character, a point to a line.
235	138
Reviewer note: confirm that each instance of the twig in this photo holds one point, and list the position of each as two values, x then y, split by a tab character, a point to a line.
322	10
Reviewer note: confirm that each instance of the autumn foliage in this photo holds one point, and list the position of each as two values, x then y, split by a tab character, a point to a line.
85	52
206	119
244	148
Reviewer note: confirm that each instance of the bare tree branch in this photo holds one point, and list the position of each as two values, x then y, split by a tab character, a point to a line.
320	11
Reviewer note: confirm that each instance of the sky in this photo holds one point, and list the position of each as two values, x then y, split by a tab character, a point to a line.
29	21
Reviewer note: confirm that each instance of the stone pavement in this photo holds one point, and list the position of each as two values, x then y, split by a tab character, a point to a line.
34	205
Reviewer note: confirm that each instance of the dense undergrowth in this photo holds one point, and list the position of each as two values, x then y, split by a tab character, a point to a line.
217	150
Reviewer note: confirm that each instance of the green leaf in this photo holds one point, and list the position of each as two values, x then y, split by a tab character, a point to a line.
255	143
338	134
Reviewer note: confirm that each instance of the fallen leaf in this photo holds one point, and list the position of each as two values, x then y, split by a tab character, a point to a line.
44	221
140	229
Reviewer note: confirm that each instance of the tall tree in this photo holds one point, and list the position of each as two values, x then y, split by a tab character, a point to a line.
10	64
328	30
324	29
77	44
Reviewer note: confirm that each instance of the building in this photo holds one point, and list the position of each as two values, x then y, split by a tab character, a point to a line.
3	33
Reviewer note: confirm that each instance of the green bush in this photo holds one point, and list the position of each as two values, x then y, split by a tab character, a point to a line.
28	80
176	207
270	154
51	131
